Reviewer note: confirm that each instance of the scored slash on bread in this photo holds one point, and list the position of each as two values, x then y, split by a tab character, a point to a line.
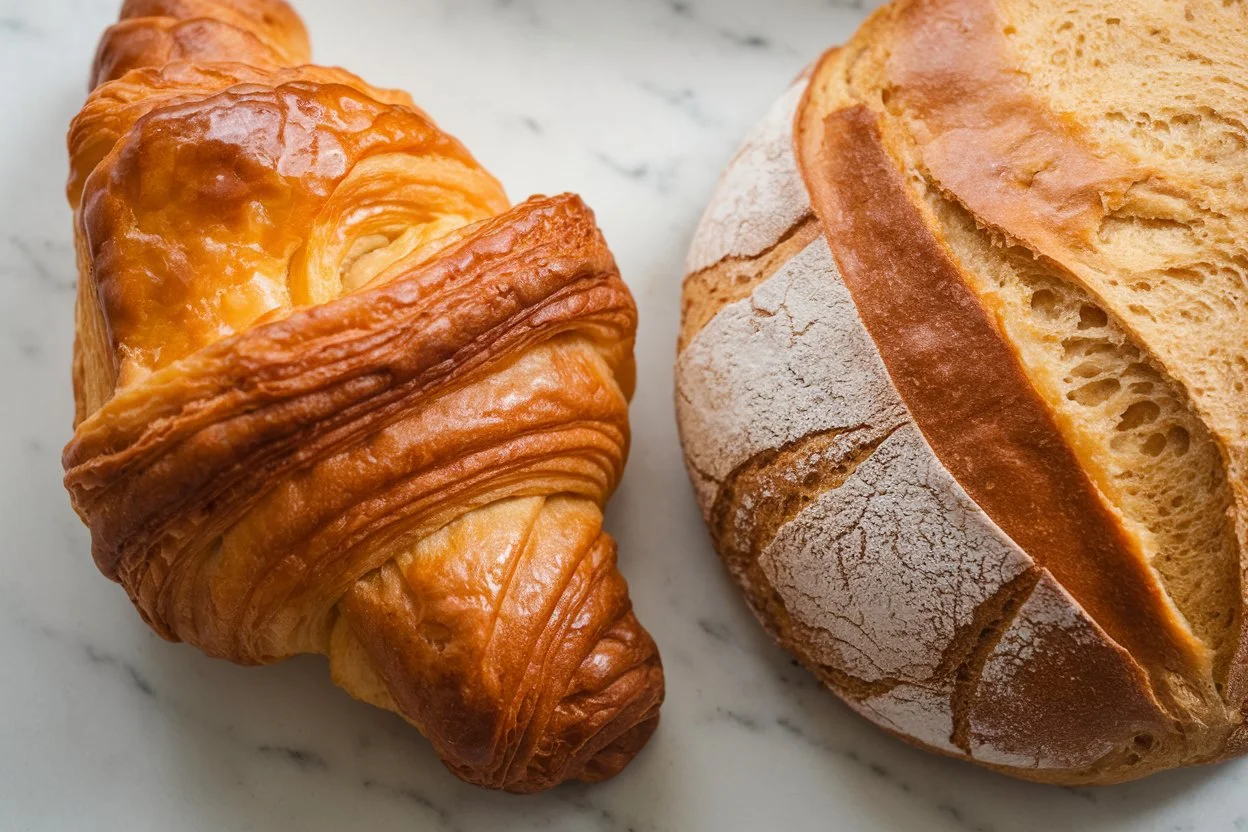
970	427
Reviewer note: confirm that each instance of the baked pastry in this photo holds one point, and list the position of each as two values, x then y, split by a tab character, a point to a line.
961	380
335	396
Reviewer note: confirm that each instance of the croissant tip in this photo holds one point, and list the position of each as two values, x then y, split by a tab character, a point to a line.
613	759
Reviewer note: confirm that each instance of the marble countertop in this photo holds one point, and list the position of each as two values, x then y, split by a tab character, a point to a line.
637	105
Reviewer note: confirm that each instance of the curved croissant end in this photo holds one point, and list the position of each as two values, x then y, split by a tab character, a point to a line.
578	700
334	396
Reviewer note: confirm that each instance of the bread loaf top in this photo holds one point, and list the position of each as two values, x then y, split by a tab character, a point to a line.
1038	211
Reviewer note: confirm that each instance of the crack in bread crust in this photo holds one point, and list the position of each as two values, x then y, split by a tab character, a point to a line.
760	195
991	619
816	463
733	278
790	477
757	376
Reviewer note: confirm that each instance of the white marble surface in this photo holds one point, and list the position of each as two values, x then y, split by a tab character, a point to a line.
637	105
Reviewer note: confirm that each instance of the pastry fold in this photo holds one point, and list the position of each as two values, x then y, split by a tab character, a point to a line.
334	396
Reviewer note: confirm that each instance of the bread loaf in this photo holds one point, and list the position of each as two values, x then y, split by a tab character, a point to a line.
961	379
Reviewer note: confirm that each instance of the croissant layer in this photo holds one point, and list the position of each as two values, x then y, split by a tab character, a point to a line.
335	396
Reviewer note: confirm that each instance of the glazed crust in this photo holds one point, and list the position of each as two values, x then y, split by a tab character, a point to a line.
335	396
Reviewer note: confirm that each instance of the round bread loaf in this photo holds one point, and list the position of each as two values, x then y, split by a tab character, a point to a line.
961	379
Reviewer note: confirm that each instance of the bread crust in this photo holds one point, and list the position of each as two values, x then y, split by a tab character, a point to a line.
965	389
1063	656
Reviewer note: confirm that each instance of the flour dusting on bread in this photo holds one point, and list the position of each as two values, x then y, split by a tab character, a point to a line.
757	376
886	568
759	197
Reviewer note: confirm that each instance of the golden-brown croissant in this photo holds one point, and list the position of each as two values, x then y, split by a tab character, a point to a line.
334	396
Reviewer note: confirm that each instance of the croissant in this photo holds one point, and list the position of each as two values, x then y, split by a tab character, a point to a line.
334	396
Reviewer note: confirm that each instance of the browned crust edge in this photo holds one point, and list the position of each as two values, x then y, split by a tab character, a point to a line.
969	396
